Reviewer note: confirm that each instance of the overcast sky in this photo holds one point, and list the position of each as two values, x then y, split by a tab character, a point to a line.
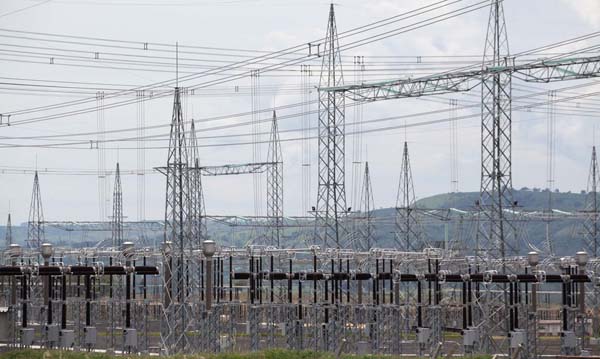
273	25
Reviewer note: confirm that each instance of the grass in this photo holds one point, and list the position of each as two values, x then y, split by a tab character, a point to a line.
267	354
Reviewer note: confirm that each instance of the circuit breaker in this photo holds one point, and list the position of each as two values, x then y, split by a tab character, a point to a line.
27	335
130	338
568	340
67	338
423	335
89	338
470	337
517	338
52	333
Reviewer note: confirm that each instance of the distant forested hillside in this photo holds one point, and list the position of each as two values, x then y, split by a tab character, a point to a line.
566	234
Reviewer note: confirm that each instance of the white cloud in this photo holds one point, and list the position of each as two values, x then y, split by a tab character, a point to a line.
276	27
588	10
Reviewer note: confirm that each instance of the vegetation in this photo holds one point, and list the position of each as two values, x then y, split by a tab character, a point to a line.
268	354
566	234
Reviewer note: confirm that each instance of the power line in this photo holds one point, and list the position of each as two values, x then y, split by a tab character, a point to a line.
526	107
206	73
24	8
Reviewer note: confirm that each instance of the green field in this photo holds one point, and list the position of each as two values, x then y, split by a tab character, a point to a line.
268	354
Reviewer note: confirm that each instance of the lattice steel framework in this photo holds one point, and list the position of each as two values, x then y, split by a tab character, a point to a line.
331	208
35	225
103	186
496	235
8	238
141	154
409	235
235	169
367	205
550	168
591	228
275	186
177	322
197	211
495	232
117	215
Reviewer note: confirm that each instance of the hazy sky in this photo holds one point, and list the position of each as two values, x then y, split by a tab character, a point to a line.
271	25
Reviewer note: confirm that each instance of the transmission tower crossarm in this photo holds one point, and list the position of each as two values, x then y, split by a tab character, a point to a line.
236	169
538	71
92	226
560	70
261	221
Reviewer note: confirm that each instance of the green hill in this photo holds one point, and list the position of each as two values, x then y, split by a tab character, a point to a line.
526	199
565	233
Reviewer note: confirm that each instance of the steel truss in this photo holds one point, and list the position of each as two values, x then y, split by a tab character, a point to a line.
331	210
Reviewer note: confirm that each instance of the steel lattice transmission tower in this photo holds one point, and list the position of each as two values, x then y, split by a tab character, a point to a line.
331	208
409	234
117	215
197	211
35	225
8	239
178	322
590	232
275	186
496	234
367	204
591	228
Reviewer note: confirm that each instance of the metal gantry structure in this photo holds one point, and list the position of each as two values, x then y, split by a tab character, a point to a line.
341	293
381	301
